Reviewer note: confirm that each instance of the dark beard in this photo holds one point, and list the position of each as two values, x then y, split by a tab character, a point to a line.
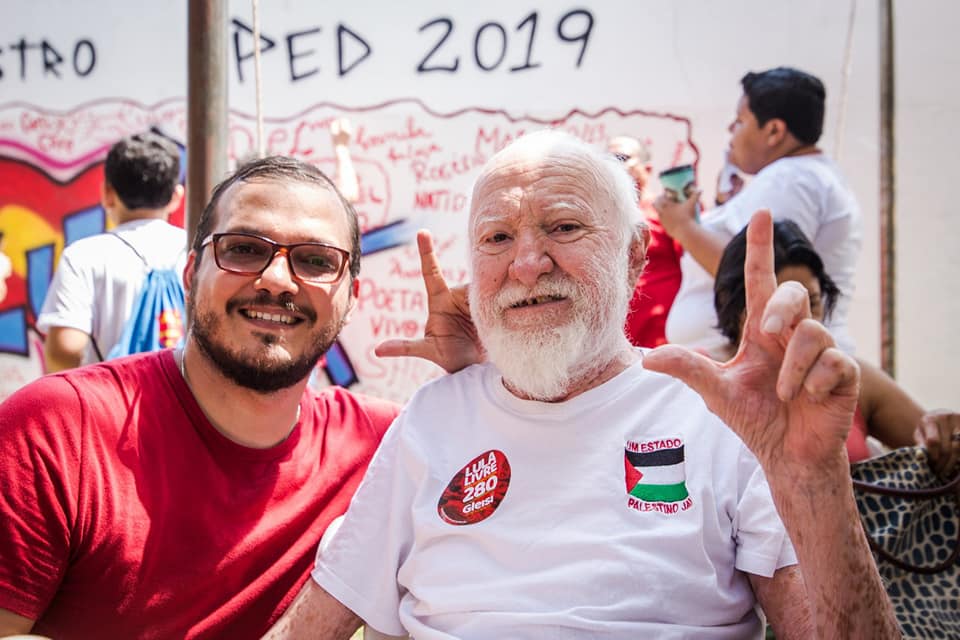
258	373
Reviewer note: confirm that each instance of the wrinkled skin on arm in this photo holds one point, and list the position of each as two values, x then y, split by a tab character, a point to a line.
784	601
314	613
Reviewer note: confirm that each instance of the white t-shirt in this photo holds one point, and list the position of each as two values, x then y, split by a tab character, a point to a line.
98	279
806	189
629	511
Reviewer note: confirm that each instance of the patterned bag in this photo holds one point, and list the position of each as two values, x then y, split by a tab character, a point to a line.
912	521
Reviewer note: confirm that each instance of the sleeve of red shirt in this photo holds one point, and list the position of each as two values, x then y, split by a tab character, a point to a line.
380	413
39	472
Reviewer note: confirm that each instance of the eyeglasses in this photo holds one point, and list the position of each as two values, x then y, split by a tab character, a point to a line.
249	255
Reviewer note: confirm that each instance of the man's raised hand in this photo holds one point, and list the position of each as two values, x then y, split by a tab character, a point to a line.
450	339
789	393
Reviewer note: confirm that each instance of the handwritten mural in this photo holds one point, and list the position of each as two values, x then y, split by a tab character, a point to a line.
415	169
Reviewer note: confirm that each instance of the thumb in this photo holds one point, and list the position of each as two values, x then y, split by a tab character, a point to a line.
404	348
696	370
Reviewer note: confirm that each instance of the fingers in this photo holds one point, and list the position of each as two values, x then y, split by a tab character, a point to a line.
811	363
939	432
401	348
460	295
759	278
340	131
664	200
785	309
675	216
433	279
697	371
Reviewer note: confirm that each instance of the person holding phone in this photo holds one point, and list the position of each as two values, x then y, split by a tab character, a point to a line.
779	119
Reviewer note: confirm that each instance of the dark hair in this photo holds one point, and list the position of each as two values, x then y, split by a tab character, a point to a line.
791	248
280	168
143	170
789	94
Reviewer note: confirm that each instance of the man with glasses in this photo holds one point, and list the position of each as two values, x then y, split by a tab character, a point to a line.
182	493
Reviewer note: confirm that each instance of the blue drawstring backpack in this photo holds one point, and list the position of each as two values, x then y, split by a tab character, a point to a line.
157	318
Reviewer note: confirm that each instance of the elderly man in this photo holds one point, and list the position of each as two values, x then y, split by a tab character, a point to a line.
569	489
182	494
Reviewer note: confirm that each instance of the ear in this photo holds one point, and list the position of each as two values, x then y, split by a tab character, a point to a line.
352	302
776	131
638	254
188	272
175	199
108	197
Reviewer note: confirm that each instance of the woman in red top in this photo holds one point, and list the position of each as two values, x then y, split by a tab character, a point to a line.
658	284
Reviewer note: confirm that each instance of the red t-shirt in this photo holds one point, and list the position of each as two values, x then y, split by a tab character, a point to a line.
125	514
656	288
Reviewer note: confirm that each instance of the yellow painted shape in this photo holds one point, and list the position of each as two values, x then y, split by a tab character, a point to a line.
24	230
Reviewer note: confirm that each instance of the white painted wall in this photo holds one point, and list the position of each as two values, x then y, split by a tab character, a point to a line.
928	220
682	57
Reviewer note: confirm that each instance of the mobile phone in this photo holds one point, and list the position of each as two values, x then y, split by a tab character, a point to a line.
679	180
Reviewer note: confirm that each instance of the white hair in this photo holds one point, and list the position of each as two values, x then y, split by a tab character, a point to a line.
608	174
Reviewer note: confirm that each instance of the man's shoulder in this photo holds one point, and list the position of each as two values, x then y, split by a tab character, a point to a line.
816	169
118	373
349	403
153	228
445	387
95	247
61	401
103	246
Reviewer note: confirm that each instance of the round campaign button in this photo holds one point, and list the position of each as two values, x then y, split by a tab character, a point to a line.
476	490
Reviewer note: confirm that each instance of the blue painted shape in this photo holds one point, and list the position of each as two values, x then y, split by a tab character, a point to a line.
83	223
388	236
13	331
338	367
39	275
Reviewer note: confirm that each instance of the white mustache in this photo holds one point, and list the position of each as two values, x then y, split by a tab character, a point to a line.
514	294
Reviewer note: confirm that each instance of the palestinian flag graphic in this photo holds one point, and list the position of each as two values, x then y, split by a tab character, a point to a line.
655	470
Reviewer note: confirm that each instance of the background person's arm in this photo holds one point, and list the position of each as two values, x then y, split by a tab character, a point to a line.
346	174
679	220
897	420
314	614
891	414
12	624
64	348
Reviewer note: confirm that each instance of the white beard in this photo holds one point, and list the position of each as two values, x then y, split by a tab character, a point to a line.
545	363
